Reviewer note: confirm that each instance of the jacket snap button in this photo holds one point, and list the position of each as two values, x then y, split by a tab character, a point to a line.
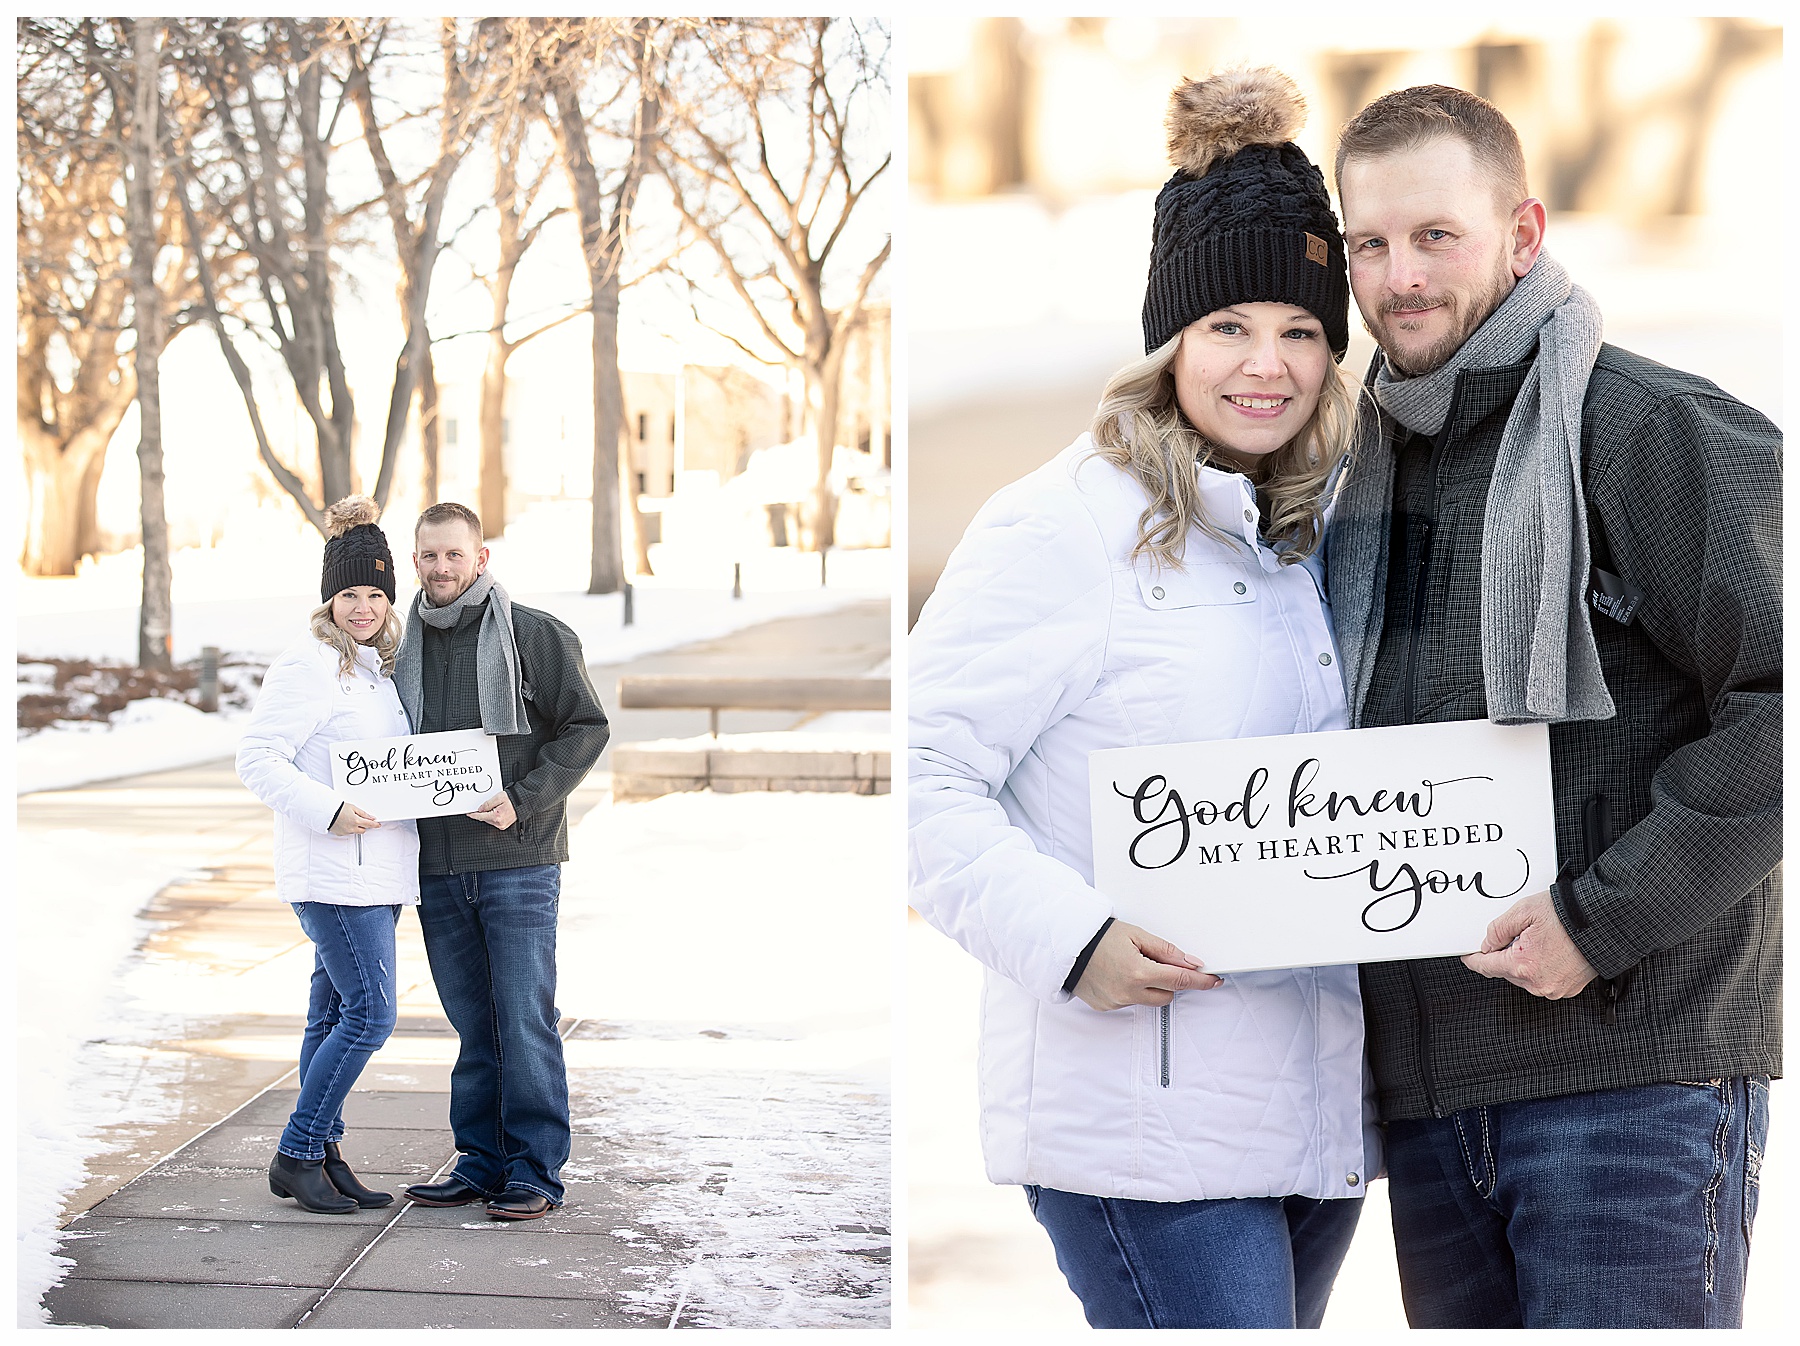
1240	587
1156	592
1325	659
1249	516
1352	1179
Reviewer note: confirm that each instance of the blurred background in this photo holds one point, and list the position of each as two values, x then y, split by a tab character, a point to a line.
1036	150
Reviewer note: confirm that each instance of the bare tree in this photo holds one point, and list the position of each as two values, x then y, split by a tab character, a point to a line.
417	227
87	276
74	382
622	58
263	163
156	614
775	144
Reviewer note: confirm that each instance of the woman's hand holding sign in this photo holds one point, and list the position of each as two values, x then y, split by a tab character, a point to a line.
1131	966
1527	945
352	821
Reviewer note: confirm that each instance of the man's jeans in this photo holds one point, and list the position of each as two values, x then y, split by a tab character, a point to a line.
1624	1208
1250	1262
491	939
349	1015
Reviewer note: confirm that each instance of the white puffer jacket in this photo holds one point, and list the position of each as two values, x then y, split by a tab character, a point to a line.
304	707
1042	643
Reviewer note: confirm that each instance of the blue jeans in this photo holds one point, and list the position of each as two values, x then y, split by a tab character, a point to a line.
1623	1208
349	1014
1249	1262
491	939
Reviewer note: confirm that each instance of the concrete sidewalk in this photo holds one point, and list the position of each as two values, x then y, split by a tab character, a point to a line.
727	1171
199	1241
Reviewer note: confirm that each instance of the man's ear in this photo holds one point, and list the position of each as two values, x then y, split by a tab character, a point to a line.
1528	222
482	558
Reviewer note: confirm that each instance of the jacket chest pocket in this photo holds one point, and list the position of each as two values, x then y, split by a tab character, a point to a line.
1208	585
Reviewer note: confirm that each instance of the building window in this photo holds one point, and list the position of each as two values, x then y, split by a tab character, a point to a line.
643	426
450	431
640	481
505	431
671	427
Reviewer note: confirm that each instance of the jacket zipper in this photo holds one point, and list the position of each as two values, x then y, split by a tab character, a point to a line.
1165	1042
1593	841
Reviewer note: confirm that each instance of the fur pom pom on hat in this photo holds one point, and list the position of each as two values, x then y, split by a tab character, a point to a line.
348	513
1213	119
1245	218
356	551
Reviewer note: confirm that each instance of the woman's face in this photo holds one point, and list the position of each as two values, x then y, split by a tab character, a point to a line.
360	611
1248	377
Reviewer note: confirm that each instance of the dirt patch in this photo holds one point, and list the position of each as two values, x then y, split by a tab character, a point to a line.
80	689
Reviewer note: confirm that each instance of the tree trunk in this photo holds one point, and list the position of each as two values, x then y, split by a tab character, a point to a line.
54	472
824	395
606	572
155	615
87	522
428	426
493	426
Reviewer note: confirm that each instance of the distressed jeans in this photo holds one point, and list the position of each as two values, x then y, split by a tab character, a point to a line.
1622	1208
491	939
1248	1262
349	1014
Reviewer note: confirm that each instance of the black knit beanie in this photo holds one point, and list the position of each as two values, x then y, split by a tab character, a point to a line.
356	552
1246	217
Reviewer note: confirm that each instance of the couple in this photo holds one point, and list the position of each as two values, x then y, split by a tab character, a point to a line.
1512	521
486	884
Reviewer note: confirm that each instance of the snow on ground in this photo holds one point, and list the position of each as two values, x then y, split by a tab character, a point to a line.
763	918
759	918
252	598
79	893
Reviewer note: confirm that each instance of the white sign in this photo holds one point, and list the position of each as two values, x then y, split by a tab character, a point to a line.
418	775
1309	849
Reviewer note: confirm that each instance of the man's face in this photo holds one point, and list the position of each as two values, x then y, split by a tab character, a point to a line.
448	557
1433	250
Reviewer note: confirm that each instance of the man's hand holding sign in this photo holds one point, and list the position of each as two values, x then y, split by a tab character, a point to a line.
1528	946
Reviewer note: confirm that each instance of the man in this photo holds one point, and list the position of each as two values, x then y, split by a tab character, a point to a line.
1543	528
489	881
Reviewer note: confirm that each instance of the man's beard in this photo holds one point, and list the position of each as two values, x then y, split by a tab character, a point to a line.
1438	354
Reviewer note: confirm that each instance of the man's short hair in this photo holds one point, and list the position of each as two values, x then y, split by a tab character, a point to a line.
446	510
1408	118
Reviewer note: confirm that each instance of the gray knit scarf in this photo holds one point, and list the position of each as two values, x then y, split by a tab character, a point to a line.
1538	657
497	677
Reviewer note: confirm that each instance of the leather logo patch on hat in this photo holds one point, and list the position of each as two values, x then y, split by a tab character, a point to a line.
1317	250
380	564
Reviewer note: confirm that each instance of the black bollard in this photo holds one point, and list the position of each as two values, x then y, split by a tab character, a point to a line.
737	579
822	552
630	616
209	678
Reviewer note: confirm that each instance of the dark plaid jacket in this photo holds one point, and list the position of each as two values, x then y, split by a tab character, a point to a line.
568	732
1670	811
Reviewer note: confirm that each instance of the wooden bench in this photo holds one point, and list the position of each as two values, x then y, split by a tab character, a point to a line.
673	691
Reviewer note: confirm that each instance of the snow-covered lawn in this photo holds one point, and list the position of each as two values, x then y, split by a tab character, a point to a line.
78	895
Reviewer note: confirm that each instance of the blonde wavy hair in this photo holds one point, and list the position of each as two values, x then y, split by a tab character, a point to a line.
386	642
1139	428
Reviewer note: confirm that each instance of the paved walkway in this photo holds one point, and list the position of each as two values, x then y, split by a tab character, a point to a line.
734	1190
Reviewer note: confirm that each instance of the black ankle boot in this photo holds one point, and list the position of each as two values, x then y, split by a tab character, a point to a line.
305	1181
346	1182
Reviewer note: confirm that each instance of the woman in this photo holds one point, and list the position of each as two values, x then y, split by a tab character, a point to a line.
346	874
1195	1148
